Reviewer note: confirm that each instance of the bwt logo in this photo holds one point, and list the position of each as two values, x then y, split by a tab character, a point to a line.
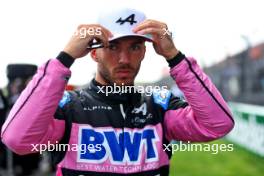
119	146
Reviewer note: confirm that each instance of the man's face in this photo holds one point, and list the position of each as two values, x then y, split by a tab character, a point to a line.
120	62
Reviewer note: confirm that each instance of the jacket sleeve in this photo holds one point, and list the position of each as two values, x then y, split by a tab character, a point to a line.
206	116
31	120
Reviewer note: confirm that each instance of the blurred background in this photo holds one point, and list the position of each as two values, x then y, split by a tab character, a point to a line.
225	36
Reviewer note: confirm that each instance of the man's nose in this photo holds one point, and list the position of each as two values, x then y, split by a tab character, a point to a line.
124	57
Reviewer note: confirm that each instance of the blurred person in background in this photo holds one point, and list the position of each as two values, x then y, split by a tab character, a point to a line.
125	132
3	111
18	77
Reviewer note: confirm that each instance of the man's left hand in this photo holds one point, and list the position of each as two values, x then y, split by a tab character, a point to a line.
162	39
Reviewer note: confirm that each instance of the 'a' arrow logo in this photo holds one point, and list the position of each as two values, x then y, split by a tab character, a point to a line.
130	19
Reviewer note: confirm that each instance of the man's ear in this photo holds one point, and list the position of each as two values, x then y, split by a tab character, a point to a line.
94	55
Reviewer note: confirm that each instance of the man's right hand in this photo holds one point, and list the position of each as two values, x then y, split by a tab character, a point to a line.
77	46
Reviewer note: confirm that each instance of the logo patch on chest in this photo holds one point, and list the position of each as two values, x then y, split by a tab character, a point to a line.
120	146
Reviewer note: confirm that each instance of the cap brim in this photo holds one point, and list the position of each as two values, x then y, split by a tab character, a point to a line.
147	37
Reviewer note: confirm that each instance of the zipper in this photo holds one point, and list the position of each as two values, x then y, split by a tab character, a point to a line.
123	129
122	111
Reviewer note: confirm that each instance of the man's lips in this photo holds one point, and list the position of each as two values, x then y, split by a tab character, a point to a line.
124	72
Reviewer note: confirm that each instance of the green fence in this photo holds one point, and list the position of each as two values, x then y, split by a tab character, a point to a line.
249	127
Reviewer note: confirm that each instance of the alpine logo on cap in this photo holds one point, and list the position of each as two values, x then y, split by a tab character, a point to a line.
130	19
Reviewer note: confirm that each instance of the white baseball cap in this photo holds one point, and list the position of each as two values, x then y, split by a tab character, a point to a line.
120	22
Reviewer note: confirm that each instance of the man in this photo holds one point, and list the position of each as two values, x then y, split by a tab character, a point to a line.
116	134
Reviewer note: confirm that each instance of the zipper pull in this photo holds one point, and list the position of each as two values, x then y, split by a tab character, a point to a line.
122	111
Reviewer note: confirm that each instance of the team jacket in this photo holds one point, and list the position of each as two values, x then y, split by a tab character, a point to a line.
115	134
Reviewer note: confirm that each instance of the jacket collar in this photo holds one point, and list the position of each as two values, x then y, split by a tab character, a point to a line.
99	91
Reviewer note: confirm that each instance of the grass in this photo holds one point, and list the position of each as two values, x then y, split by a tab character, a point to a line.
238	162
